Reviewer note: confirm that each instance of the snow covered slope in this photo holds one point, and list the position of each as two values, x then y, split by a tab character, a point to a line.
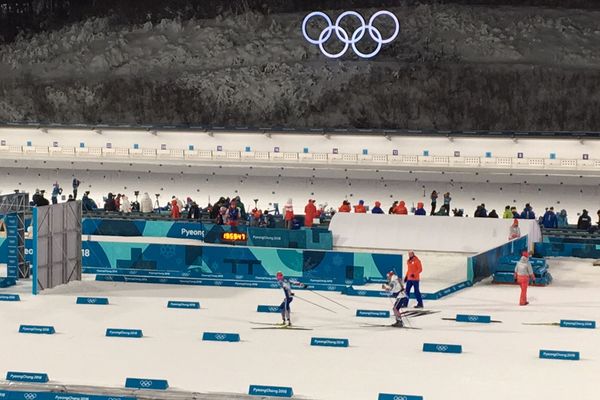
499	361
452	67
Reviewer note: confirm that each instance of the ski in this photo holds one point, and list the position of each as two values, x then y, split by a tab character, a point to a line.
454	319
292	328
417	313
387	326
270	325
542	323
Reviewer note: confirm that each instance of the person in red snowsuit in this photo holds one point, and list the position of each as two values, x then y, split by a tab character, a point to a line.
175	212
310	213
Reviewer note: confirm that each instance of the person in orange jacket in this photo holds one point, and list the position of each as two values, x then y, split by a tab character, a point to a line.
401	209
413	277
175	212
345	207
360	207
289	214
310	213
523	275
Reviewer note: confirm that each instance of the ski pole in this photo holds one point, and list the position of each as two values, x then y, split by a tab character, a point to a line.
327	298
315	304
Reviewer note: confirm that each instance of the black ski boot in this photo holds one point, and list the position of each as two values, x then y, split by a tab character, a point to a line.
398	324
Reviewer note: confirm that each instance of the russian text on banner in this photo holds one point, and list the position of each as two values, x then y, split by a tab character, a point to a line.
569	323
10	297
271	391
37	329
33	377
481	319
442	348
192	305
221	337
388	396
559	355
329	342
147	384
373	313
97	301
128	333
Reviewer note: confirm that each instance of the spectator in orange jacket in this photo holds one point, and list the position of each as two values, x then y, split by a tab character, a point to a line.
289	214
345	207
413	277
175	212
401	209
310	213
360	207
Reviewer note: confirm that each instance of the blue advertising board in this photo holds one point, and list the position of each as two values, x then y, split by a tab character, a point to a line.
146	384
31	377
329	342
270	391
126	333
38	395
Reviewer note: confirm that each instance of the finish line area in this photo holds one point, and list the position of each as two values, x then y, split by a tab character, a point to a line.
172	347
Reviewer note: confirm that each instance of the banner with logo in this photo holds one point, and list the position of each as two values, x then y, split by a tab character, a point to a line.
315	238
237	262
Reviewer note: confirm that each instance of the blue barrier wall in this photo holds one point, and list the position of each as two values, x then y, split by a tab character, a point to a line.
237	262
229	262
483	265
567	248
315	238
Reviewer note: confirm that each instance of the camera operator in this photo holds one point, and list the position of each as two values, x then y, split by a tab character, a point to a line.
146	204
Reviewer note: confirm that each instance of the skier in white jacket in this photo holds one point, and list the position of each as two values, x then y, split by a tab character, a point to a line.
396	289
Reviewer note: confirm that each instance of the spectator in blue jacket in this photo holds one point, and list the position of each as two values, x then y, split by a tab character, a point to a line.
515	213
88	204
528	212
377	209
561	219
550	220
420	209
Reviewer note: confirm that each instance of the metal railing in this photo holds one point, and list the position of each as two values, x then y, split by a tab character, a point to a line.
117	154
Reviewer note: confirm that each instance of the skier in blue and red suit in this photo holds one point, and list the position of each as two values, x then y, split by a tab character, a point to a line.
286	285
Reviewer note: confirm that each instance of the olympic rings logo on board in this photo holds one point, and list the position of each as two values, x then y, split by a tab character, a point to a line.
400	398
441	348
473	318
145	383
30	396
220	337
351	40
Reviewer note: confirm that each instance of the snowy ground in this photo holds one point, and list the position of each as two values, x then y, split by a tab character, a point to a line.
499	361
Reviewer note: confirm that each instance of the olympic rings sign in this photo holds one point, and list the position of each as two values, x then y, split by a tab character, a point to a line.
350	39
145	383
220	337
30	396
441	348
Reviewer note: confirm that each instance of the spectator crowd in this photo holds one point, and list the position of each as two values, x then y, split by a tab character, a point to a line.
232	211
